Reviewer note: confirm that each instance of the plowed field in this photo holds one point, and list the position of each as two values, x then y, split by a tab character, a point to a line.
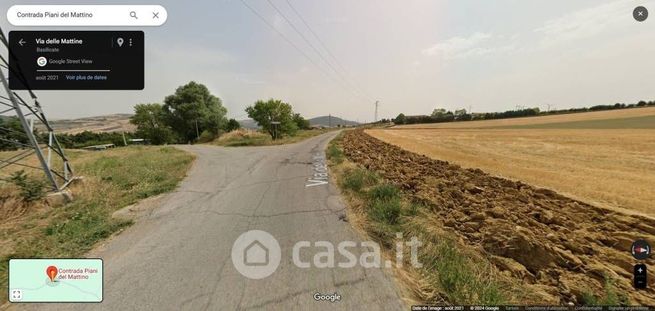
556	245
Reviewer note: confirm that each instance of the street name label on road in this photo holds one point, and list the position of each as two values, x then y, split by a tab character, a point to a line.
55	280
320	171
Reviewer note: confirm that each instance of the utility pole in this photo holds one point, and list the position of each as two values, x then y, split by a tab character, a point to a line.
275	124
376	111
197	132
330	119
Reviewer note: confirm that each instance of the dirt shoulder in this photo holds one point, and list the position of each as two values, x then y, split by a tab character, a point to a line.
555	245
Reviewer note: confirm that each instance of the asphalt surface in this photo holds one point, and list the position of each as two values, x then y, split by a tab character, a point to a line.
178	256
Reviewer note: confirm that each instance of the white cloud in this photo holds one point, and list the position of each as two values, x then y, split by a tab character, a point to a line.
476	45
587	22
484	51
455	45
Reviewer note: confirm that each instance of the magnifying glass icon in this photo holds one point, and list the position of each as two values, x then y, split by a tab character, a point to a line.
133	14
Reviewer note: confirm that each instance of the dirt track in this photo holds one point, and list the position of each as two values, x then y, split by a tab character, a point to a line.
561	246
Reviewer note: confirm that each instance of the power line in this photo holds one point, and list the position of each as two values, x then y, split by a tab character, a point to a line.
336	60
291	43
320	55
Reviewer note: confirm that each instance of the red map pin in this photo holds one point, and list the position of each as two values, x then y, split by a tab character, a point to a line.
51	272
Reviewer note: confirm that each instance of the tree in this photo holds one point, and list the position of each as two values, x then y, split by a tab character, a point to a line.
11	133
460	112
462	115
400	119
232	125
150	121
273	110
88	138
439	112
192	110
301	122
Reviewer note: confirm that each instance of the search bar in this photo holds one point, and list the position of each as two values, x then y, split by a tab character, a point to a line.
87	15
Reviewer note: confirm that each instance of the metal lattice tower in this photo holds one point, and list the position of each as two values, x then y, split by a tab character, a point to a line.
53	162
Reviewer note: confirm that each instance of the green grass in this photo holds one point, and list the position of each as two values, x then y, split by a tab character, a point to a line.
113	179
609	296
459	276
261	140
644	122
386	212
384	192
385	204
357	179
334	153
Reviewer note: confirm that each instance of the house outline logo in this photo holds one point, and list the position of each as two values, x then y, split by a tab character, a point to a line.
251	259
256	254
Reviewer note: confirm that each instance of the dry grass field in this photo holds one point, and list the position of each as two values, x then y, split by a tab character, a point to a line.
612	167
119	122
621	114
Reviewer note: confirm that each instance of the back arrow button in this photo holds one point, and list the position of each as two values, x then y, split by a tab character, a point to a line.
21	42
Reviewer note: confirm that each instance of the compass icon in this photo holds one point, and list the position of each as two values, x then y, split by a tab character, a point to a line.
640	249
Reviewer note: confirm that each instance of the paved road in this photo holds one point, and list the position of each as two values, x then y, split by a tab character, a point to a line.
179	256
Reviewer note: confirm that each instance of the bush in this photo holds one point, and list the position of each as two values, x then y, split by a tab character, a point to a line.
206	136
609	297
335	154
385	192
386	211
243	137
358	178
386	207
87	138
232	125
458	275
30	189
301	123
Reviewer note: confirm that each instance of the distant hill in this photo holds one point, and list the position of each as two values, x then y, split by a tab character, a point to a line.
119	122
334	121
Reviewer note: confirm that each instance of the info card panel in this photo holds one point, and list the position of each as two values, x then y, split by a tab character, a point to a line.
76	60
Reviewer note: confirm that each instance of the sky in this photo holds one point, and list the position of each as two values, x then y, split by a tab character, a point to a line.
410	55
